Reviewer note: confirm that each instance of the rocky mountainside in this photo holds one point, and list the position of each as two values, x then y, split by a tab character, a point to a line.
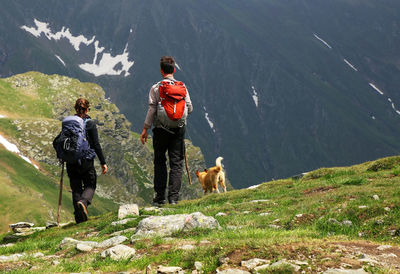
31	107
331	220
278	87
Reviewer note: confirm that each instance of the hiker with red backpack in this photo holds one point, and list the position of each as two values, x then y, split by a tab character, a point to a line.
169	105
77	145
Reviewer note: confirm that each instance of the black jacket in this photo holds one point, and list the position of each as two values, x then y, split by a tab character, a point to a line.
93	138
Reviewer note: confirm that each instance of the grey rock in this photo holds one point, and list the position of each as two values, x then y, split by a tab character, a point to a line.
187	247
363	206
128	209
117	233
376	197
70	242
346	271
112	241
261	268
122	222
275	226
55	262
220	214
11	258
118	252
51	224
21	225
224	260
232	271
169	270
37	255
387	209
253	263
265	214
347	223
333	221
6	245
383	247
84	247
166	225
198	266
259	201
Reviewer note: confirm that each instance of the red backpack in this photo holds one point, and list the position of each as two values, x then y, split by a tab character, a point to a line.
173	105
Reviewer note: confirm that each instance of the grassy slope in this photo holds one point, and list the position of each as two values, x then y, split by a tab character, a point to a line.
322	194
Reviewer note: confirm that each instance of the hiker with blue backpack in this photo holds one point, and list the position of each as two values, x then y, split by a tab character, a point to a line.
169	105
77	145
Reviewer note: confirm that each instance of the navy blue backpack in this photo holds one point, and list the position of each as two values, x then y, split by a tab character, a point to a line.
71	144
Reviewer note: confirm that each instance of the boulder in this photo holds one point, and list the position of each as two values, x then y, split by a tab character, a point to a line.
167	225
70	242
128	209
84	247
253	263
118	252
112	241
169	270
10	258
21	225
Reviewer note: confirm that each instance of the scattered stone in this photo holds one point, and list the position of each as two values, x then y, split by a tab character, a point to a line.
117	233
347	223
379	222
224	260
55	262
205	242
169	270
383	247
187	247
122	222
261	268
232	271
333	221
112	241
246	212
220	214
166	225
276	221
392	232
363	206
376	197
390	255
28	229
10	258
129	209
7	245
84	247
281	263
347	271
253	263
296	262
118	252
275	226
37	255
369	260
153	209
51	224
299	215
21	225
70	242
259	201
361	234
387	209
198	266
265	214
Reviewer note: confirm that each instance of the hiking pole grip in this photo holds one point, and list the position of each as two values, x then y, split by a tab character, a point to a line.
187	167
60	194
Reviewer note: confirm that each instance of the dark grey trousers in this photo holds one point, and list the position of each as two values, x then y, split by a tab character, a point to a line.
173	143
82	180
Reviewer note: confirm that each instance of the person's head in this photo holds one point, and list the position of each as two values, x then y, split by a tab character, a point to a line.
167	65
81	106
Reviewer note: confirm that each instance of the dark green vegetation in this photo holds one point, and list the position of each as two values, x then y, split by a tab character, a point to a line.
313	109
306	219
31	106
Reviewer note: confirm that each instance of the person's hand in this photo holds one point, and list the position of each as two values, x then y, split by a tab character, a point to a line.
143	136
104	169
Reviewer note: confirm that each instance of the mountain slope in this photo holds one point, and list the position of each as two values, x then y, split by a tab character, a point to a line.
31	107
332	218
278	87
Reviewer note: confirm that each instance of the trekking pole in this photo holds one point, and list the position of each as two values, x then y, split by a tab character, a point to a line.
187	166
60	195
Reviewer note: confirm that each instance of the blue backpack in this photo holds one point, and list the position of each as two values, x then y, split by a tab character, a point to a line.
71	144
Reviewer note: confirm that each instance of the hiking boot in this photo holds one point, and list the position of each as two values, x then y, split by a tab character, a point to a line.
158	203
173	202
83	211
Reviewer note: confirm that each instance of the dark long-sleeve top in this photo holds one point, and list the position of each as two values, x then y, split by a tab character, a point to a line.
93	138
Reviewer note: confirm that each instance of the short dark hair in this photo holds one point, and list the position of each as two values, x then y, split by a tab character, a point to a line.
167	64
81	105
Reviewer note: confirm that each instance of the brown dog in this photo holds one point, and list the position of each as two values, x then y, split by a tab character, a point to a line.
210	178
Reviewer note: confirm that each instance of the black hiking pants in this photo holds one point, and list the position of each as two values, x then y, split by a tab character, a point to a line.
82	180
174	143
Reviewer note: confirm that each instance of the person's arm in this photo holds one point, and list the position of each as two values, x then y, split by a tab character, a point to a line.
188	102
93	138
151	113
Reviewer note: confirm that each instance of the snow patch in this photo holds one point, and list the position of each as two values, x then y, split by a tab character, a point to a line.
208	120
253	187
61	60
131	30
320	39
177	66
107	65
350	65
373	117
377	89
13	148
255	96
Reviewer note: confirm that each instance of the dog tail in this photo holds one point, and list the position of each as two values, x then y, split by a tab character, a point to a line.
218	161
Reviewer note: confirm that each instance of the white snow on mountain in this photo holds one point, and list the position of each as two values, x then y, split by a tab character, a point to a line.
208	119
13	148
255	96
61	60
350	65
320	39
131	30
177	66
373	117
42	27
108	64
377	89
